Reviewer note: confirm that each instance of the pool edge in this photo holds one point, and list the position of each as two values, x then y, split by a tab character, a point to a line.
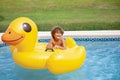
80	34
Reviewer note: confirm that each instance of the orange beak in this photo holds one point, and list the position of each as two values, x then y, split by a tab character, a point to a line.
11	37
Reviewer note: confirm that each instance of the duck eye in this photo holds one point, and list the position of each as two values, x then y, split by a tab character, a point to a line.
26	27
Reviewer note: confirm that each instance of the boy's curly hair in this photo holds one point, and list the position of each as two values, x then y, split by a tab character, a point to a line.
56	29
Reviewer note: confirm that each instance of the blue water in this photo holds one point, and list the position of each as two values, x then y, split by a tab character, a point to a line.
102	63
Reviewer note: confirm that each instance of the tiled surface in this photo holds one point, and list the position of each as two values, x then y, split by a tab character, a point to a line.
97	39
102	35
79	39
2	45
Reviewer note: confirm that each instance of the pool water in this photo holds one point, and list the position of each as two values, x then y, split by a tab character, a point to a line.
102	63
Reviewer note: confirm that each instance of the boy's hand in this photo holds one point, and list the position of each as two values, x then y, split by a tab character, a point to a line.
56	46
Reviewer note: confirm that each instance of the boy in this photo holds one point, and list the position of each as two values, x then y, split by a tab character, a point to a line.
57	41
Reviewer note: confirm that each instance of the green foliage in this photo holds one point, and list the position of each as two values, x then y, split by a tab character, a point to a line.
69	14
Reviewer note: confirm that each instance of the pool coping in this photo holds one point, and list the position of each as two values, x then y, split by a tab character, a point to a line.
80	34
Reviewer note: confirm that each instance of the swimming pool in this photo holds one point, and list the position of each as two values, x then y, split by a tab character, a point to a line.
102	63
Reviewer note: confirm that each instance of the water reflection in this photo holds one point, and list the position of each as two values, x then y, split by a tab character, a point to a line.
28	74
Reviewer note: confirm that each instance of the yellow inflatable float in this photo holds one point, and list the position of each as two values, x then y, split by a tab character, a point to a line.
21	35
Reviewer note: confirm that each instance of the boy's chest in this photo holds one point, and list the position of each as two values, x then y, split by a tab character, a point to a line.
57	42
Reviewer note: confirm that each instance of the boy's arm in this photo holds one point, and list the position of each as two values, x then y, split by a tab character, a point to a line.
50	44
64	45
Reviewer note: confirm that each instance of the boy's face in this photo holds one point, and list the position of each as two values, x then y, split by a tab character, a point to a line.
57	35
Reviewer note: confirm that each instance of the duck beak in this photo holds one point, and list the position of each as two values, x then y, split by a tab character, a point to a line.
11	37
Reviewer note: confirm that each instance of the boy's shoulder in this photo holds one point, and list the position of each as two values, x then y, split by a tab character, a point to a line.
52	39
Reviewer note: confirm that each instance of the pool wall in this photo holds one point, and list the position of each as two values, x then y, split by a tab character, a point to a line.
80	34
84	34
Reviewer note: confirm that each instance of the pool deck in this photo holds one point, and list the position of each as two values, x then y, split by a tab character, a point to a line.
80	34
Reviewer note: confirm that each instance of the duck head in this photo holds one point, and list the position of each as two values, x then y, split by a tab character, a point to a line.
21	33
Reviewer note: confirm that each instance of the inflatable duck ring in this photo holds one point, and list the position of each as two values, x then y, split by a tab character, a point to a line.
21	35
